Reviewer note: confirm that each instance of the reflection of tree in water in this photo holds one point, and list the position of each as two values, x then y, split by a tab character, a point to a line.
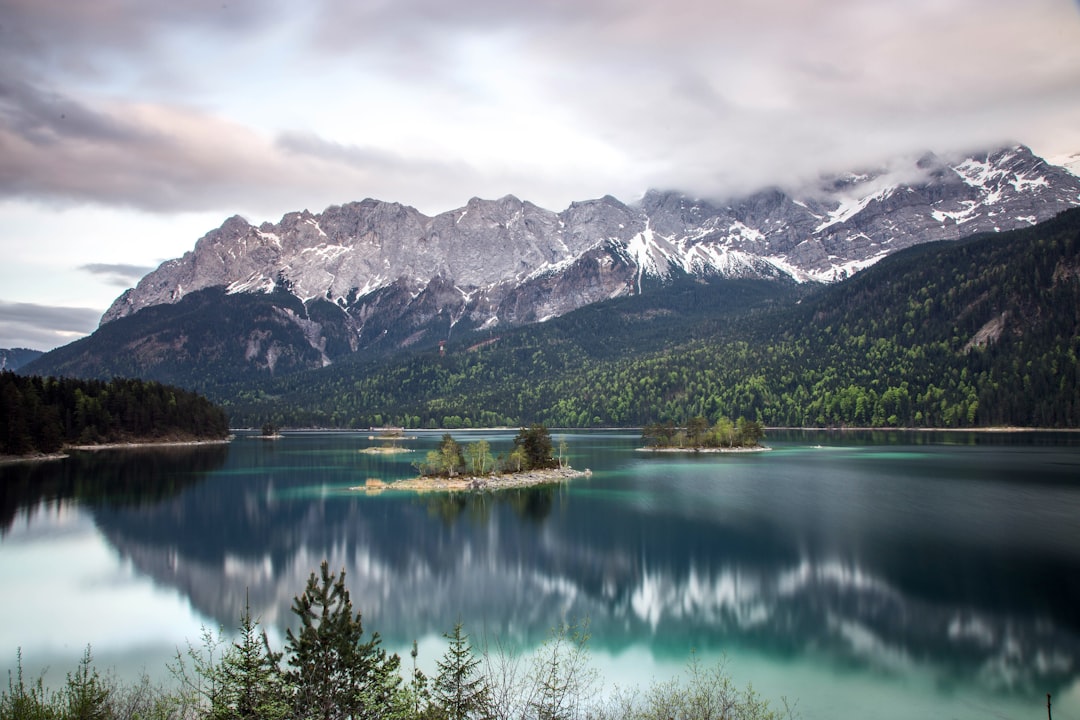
448	507
129	477
532	504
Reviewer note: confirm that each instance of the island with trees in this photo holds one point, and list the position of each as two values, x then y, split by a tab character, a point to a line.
697	435
453	467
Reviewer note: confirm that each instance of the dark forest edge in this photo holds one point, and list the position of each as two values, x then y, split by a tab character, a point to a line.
332	669
42	416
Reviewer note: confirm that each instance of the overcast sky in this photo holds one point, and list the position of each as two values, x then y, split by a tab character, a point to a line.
129	128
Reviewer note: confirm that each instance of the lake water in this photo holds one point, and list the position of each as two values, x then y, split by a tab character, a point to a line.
886	575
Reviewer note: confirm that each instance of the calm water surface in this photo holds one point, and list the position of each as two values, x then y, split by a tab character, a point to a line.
863	575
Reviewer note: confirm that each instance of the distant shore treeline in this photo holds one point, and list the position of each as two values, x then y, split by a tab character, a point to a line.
43	415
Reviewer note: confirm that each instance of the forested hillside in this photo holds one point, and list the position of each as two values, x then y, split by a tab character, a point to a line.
42	415
979	332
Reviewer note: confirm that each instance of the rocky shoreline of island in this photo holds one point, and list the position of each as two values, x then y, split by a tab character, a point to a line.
475	483
720	450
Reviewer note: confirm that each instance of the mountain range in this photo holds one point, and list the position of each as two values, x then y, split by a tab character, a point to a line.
371	278
14	358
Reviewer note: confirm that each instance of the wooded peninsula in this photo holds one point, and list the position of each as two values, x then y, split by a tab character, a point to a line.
42	416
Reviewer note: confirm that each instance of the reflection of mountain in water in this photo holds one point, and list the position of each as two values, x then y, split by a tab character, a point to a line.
516	564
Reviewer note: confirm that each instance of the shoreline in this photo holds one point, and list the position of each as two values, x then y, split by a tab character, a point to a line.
134	445
710	450
990	429
474	483
66	451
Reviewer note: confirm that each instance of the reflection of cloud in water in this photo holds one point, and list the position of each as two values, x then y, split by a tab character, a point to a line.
828	607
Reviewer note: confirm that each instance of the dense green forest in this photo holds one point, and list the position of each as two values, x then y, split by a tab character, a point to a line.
42	415
332	668
979	332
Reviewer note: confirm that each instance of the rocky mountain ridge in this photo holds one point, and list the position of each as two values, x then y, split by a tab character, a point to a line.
380	276
509	261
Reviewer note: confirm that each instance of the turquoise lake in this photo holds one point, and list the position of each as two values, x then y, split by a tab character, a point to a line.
885	575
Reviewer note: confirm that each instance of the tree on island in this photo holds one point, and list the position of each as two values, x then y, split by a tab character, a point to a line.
535	441
533	450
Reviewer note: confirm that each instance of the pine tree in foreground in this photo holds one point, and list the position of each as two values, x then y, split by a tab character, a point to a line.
460	689
334	673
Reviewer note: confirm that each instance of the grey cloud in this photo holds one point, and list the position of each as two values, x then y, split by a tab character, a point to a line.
158	158
72	37
44	118
121	275
44	327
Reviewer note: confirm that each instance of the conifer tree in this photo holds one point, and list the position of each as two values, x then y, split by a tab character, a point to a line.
250	677
536	442
460	689
334	673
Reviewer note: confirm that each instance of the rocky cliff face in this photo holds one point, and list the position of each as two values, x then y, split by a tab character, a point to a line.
387	268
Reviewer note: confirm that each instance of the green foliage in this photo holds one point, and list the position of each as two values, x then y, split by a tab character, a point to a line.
460	691
335	673
41	415
27	701
535	443
86	695
698	434
479	457
250	678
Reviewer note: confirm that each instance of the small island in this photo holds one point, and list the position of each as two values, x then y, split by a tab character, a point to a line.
454	468
390	437
723	436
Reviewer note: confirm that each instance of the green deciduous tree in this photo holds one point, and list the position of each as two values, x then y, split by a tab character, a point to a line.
450	456
86	694
478	455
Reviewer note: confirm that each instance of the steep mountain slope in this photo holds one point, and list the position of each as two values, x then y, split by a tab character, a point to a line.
377	277
985	331
14	358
